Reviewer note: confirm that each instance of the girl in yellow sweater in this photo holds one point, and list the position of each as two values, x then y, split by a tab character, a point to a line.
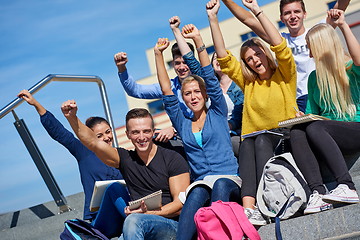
269	96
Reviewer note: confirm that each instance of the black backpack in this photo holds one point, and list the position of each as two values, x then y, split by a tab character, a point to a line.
76	229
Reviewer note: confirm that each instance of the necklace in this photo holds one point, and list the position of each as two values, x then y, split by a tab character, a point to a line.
199	124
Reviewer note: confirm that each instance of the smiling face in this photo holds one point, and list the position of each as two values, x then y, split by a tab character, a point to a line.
293	16
181	69
194	96
216	64
140	131
256	59
103	132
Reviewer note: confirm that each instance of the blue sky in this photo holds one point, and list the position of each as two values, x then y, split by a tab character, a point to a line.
42	37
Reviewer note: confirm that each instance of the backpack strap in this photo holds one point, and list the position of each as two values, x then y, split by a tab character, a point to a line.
238	211
244	222
277	220
222	211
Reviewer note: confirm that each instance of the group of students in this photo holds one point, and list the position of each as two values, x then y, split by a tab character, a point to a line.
199	102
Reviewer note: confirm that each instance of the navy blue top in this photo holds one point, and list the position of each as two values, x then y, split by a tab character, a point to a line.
90	166
216	156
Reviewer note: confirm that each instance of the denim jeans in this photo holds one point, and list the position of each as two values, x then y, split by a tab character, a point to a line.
111	215
224	189
149	227
301	102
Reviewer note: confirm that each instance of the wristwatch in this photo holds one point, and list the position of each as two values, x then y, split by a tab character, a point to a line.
200	49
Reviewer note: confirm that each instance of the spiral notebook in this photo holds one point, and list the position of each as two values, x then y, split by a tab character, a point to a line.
303	119
253	134
152	201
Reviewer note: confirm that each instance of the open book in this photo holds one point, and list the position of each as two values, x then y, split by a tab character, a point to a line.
260	132
208	181
152	201
303	119
99	189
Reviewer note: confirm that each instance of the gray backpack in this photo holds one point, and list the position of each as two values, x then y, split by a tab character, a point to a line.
283	191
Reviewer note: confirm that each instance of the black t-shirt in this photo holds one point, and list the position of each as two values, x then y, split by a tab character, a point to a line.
142	180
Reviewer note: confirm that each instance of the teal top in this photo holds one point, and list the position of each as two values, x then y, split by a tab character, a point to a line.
314	105
198	137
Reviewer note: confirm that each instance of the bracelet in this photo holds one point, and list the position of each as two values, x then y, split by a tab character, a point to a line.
200	49
256	15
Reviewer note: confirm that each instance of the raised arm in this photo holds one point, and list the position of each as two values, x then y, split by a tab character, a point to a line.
212	8
271	31
162	74
26	95
190	31
103	151
247	18
336	18
174	25
342	4
131	87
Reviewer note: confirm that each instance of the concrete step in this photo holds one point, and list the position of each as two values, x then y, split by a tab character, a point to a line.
43	222
40	222
339	223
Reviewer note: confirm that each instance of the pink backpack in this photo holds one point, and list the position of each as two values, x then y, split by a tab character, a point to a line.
224	220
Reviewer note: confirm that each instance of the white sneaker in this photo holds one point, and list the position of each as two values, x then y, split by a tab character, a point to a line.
316	204
255	217
343	194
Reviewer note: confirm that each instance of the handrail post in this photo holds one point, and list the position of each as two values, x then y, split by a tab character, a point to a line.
41	165
29	142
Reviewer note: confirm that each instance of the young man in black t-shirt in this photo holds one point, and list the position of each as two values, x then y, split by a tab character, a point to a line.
146	169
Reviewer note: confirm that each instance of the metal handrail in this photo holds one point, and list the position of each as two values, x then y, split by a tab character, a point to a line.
67	78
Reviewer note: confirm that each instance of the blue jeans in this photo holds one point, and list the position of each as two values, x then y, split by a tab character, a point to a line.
111	215
301	102
149	227
224	189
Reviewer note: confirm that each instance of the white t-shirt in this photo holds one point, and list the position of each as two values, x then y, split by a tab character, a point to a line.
229	103
304	64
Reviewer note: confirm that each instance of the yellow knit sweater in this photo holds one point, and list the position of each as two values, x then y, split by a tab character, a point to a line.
266	102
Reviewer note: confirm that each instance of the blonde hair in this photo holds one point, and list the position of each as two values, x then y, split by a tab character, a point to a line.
248	73
329	56
192	78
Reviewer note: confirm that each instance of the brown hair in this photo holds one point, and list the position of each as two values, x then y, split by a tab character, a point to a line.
286	2
139	113
248	73
175	51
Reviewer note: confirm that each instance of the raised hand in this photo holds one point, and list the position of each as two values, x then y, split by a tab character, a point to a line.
335	17
174	22
212	7
161	45
121	59
251	5
69	108
190	31
26	95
